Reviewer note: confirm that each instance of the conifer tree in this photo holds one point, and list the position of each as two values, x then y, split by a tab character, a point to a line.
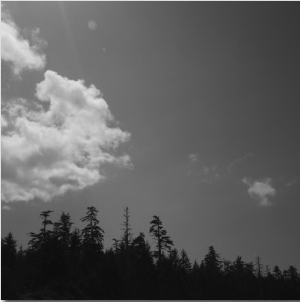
8	249
92	234
259	267
238	266
163	241
212	260
127	235
184	261
62	230
75	241
277	272
39	239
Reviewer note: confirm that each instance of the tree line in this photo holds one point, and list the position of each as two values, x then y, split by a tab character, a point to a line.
67	264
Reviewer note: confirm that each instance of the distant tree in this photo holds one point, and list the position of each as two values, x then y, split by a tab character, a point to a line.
184	261
92	234
292	273
226	266
62	230
141	267
163	241
249	269
8	250
127	235
212	260
277	272
259	267
238	266
174	257
39	239
116	245
75	241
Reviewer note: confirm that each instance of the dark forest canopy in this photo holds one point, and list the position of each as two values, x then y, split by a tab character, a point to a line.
65	263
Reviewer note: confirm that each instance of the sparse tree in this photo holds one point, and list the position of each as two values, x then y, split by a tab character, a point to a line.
163	241
259	267
277	272
127	235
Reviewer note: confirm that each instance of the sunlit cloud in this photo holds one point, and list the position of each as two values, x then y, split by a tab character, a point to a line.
92	25
59	143
261	190
17	51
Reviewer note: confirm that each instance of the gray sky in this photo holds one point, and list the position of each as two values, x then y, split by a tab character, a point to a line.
205	99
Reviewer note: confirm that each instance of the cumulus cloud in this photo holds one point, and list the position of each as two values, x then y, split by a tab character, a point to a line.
16	50
60	142
260	190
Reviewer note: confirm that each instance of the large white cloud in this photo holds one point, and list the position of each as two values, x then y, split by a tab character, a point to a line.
58	143
261	190
17	50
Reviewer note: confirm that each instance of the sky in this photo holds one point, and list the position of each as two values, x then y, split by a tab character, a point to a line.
188	111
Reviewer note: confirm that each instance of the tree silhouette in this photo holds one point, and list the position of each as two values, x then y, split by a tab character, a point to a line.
212	260
184	261
163	241
40	239
92	234
8	249
259	267
62	264
62	230
127	235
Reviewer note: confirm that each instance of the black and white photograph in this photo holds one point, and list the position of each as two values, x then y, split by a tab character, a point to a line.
150	150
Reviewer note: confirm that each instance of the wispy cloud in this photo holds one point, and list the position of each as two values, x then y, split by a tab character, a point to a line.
193	157
6	208
293	181
48	152
239	160
16	50
205	173
261	190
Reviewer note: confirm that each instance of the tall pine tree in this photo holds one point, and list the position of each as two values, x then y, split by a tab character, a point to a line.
163	241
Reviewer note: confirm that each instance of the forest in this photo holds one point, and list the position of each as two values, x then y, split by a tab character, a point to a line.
65	263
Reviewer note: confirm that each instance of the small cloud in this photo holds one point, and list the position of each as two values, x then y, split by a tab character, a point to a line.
238	160
261	190
6	208
92	25
294	181
16	50
206	174
193	157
